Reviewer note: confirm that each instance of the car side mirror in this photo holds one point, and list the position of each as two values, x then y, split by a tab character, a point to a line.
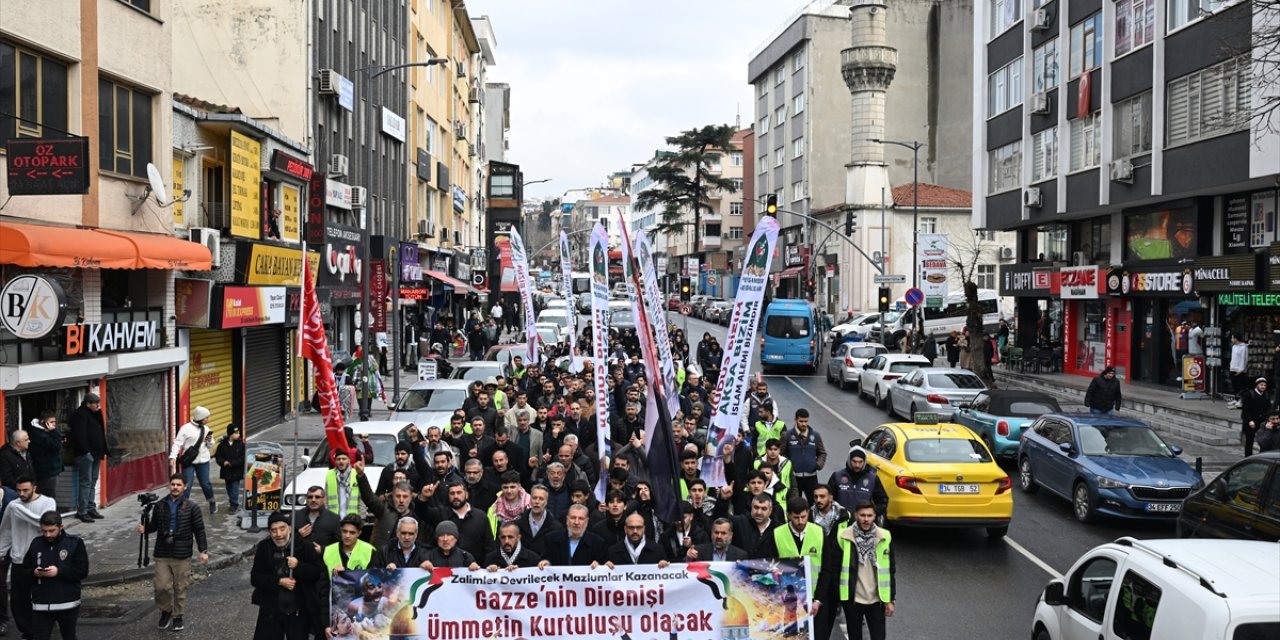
965	405
1055	594
1177	451
1067	448
306	451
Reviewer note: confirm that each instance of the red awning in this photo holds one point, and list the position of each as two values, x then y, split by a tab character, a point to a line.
453	283
790	272
33	245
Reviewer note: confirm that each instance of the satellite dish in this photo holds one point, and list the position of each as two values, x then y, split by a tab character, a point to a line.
157	185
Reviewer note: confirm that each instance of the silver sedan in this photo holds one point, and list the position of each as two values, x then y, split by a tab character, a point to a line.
846	361
936	390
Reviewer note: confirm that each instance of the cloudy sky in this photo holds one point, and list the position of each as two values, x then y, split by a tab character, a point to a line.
597	85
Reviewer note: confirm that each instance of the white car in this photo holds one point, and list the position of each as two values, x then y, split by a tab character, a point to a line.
881	371
1165	589
383	436
549	332
846	362
859	325
933	390
479	370
555	316
430	403
555	303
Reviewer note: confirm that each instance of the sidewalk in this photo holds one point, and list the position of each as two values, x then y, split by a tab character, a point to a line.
1205	429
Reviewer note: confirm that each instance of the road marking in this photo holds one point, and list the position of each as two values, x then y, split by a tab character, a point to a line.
1012	543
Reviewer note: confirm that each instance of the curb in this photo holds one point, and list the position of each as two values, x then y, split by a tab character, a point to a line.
146	573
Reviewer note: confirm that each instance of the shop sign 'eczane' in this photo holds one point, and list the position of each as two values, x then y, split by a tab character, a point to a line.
32	306
1079	283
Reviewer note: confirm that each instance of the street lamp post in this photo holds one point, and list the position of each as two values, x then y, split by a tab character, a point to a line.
914	146
371	73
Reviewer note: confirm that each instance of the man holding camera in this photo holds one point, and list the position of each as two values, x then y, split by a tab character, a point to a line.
177	522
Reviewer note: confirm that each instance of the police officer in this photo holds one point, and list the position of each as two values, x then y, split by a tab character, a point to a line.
857	482
803	446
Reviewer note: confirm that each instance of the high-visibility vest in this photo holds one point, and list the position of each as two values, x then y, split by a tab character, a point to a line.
784	470
359	559
767	432
811	543
884	577
331	488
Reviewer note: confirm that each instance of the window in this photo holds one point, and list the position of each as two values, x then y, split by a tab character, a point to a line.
1086	142
735	208
1132	126
780	116
144	5
1004	13
735	233
1044	154
1006	168
780	326
797	147
431	131
928	224
1210	102
735	159
737	184
1135	608
1086	45
779	74
33	87
763	163
797	191
124	129
1004	88
779	155
797	61
764	125
712	229
762	90
1045	74
1182	12
1135	24
1088	588
797	103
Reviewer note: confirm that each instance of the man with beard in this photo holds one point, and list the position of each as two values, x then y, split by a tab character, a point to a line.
537	523
857	482
635	547
406	550
60	563
623	427
520	408
750	529
470	527
798	537
529	442
826	512
459	437
286	583
511	553
864	584
485	411
501	442
481	493
435	443
721	547
480	434
558	489
574	546
341	487
447	552
315	524
403	462
387	510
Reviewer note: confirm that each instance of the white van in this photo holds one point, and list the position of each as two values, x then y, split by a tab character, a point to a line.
937	322
1166	590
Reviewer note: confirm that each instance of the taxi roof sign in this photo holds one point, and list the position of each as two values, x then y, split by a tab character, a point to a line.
926	418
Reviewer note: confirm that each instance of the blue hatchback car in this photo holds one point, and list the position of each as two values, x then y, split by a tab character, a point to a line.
1105	465
1000	416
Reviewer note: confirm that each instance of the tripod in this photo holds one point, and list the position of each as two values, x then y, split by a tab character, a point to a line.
144	539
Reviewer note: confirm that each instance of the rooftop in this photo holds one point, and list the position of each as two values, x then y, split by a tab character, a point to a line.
932	195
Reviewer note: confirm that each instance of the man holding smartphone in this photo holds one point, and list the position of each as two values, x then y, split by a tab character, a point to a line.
59	564
18	527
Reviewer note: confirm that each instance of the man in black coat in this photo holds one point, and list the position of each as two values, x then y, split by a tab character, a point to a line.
286	583
1103	395
721	546
474	534
15	460
750	529
635	548
1254	406
88	439
404	461
405	551
511	552
179	527
590	550
537	522
315	524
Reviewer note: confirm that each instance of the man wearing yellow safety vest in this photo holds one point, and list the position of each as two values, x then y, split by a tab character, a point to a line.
865	586
798	537
767	428
350	553
341	485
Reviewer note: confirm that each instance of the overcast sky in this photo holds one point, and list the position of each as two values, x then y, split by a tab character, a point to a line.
597	85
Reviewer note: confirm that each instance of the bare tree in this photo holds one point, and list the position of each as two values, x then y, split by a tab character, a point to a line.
1266	64
965	254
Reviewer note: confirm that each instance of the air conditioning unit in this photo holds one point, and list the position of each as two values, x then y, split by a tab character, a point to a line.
1040	20
1006	253
210	238
422	228
1031	197
1122	171
462	71
357	197
474	95
338	165
328	82
1040	102
460	130
457	237
444	234
471	149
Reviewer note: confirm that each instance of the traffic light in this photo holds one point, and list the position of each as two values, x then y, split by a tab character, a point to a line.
811	288
884	299
686	288
771	204
849	222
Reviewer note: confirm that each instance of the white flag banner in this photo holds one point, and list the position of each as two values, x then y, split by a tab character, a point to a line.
524	284
740	340
570	308
653	301
600	348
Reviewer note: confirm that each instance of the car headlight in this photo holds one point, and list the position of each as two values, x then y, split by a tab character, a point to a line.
1108	483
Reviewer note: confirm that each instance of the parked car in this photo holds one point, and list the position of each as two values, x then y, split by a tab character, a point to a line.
479	370
1105	465
696	304
549	332
934	390
940	475
847	359
859	325
719	312
557	316
791	335
999	417
673	302
882	370
620	316
505	352
383	436
1165	590
430	403
1243	502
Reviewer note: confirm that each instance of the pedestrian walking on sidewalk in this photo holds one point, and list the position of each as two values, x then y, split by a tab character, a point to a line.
953	349
18	527
89	445
59	564
190	455
1103	396
230	461
965	357
46	453
179	527
1239	368
1255	404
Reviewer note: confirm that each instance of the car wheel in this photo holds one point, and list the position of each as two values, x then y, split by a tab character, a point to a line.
995	533
1026	481
1082	503
862	391
1042	634
913	413
844	384
830	380
880	401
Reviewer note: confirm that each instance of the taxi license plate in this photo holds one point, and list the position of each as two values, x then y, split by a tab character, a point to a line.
958	488
1164	507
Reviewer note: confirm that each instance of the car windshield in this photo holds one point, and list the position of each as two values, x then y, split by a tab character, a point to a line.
946	450
787	327
891	317
384	450
474	373
866	352
433	399
955	381
1101	440
549	334
621	316
904	367
558	319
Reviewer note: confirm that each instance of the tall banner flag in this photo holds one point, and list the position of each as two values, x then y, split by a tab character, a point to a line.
748	307
571	314
313	346
745	600
653	301
659	443
932	263
520	260
600	348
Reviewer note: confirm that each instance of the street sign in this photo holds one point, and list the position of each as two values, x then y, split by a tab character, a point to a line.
889	278
914	296
48	166
711	279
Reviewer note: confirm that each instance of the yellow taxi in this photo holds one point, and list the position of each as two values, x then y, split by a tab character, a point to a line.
939	475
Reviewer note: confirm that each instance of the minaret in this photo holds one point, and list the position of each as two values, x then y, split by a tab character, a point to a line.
868	68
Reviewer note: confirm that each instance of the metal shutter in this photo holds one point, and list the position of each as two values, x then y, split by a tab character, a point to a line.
211	374
264	378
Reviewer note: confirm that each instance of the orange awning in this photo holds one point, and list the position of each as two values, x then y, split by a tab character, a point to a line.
31	245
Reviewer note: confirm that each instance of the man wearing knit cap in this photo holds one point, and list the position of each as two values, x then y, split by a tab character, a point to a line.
857	482
405	463
447	552
88	439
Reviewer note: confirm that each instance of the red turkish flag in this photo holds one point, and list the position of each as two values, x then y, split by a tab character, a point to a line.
313	346
1084	95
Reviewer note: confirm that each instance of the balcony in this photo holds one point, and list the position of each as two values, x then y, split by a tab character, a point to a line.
711	242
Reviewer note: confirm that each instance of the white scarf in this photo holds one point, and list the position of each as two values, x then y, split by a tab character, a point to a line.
634	552
511	559
344	489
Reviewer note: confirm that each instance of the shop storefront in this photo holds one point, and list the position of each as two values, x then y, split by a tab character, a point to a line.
1161	300
255	319
341	264
1244	301
1091	323
1038	313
